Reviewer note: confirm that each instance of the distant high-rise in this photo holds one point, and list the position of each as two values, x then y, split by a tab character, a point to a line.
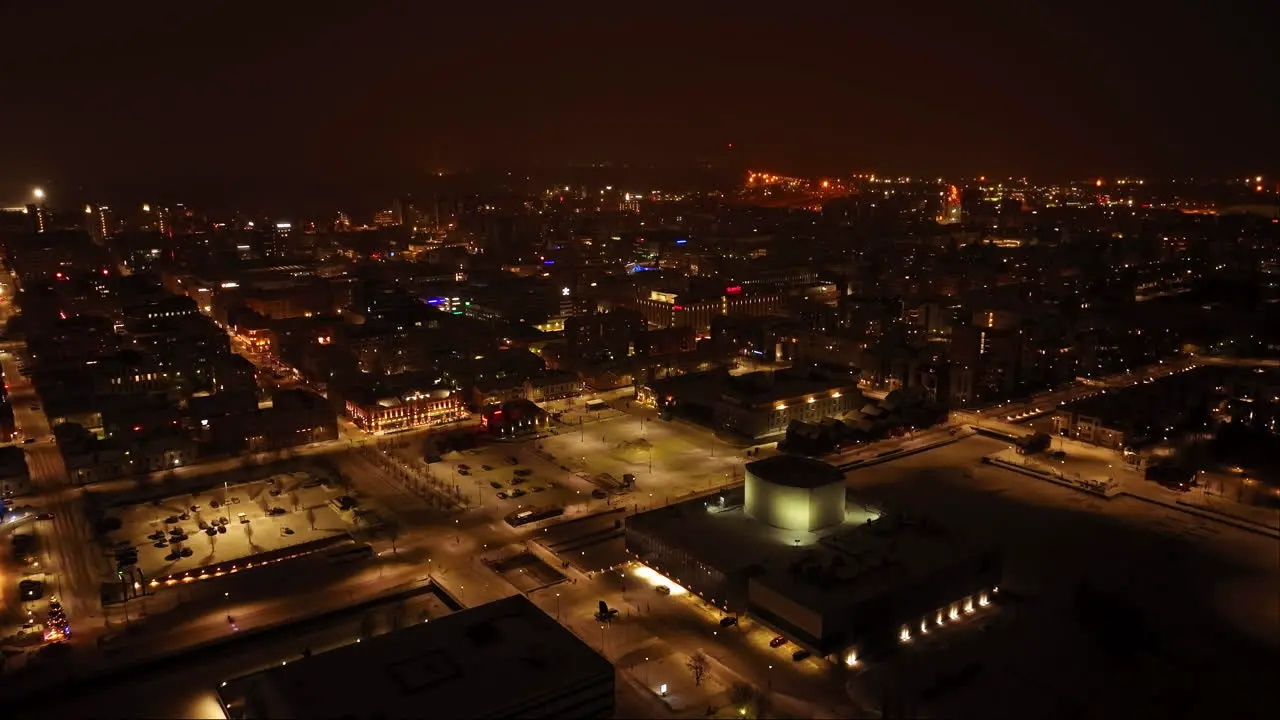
97	222
952	212
39	218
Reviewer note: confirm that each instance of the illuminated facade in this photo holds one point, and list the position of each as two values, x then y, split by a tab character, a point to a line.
794	493
841	590
761	405
952	212
665	309
400	412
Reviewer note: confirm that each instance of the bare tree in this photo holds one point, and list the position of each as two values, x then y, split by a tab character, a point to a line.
698	665
742	694
392	530
396	617
368	626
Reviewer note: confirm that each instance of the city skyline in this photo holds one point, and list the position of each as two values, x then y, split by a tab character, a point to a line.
591	361
381	95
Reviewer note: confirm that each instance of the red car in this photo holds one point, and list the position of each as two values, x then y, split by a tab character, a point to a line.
777	642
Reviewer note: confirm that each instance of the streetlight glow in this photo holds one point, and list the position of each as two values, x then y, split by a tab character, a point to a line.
38	193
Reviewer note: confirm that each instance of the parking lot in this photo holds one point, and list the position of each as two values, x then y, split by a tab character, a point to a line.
507	477
185	532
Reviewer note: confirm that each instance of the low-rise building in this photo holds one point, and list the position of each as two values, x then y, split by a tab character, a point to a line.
295	418
90	459
14	474
758	406
1084	425
553	385
761	405
374	411
497	391
830	575
8	428
201	409
513	417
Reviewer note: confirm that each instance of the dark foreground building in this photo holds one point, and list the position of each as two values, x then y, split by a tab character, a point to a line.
506	659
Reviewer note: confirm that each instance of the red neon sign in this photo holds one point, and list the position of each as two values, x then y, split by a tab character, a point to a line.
677	307
734	290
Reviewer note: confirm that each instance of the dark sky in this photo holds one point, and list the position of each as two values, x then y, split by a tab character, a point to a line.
191	94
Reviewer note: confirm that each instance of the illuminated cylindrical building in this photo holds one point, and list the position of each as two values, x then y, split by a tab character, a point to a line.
795	493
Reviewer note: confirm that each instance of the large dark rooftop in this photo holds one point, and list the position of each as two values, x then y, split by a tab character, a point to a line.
795	471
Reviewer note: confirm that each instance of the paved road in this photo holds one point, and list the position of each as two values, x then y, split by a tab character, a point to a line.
1019	410
63	539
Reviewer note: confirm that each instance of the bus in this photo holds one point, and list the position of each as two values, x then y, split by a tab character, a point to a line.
533	515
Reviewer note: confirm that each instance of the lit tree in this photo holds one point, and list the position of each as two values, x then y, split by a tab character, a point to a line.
698	665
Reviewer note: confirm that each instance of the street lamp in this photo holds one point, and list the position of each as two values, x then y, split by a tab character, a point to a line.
38	193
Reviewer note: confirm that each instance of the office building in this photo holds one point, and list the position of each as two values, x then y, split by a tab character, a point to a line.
696	310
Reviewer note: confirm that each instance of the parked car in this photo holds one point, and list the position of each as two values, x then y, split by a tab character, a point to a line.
777	642
728	621
663	590
800	655
31	589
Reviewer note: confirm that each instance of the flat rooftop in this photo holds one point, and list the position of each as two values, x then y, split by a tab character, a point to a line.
795	471
824	570
766	386
488	661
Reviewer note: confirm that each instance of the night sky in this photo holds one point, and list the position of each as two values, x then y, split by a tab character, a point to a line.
100	95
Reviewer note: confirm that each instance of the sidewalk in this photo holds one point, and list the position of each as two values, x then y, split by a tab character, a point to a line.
1102	486
1126	482
1205	501
893	448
